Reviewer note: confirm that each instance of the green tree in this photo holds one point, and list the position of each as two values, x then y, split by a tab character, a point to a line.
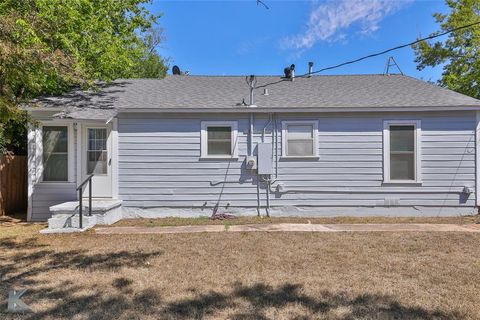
49	46
459	54
151	65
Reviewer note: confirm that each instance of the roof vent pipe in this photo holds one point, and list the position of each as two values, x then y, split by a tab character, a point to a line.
310	67
289	72
252	83
265	92
176	71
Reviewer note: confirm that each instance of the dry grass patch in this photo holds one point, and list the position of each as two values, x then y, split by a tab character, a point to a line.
172	221
244	275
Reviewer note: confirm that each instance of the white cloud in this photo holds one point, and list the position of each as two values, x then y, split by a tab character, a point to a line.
328	20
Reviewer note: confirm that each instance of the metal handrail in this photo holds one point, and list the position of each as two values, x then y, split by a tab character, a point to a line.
80	194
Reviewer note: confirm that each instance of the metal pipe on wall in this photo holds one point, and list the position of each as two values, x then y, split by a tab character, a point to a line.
276	145
265	127
250	133
267	189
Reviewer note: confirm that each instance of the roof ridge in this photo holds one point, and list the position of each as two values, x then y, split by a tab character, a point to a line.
267	76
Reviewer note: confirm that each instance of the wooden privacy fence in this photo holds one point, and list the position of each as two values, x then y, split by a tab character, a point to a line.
13	184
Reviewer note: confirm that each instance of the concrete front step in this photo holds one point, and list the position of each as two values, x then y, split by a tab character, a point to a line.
63	230
69	224
66	218
98	206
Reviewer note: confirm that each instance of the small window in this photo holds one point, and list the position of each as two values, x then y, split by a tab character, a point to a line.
97	151
402	161
219	139
402	152
300	138
55	153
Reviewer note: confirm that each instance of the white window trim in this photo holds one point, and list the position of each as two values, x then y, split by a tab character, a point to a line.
204	139
70	156
314	124
418	150
114	157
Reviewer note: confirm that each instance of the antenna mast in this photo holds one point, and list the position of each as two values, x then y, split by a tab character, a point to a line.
391	62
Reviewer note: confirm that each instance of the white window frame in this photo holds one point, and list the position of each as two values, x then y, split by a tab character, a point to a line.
418	150
85	152
314	124
204	139
70	150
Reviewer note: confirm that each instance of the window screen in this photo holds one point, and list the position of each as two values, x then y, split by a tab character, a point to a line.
219	141
402	152
300	141
97	151
55	153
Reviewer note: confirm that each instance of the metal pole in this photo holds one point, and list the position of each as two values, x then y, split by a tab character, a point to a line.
252	81
250	135
258	196
310	68
251	95
268	197
90	197
80	209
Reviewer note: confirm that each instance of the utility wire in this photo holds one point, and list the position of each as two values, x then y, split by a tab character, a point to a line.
396	48
262	3
376	54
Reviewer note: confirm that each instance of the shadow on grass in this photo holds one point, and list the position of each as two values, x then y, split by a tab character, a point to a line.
27	263
242	302
247	302
260	297
11	244
119	299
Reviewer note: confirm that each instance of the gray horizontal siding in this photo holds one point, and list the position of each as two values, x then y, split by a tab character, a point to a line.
46	195
159	163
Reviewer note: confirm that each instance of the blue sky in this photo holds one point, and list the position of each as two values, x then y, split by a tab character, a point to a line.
240	38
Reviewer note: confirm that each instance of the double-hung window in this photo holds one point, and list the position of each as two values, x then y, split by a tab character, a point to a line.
55	153
401	151
219	139
299	139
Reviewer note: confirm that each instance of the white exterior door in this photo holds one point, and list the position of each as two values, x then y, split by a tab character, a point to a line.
96	159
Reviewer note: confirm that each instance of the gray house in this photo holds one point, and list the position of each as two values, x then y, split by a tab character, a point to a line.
313	146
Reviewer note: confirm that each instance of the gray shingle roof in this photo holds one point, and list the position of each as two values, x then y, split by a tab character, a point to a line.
227	92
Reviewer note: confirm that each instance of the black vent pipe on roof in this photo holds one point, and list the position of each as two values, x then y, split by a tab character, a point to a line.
176	71
289	72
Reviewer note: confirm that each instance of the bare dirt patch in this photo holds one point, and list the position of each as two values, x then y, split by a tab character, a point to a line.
263	220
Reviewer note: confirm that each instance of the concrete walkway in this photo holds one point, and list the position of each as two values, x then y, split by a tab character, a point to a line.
294	227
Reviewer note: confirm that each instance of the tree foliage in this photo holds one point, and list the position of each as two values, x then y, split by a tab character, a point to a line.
459	54
49	46
151	65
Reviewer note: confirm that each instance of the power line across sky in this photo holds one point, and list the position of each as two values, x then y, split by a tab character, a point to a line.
433	36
